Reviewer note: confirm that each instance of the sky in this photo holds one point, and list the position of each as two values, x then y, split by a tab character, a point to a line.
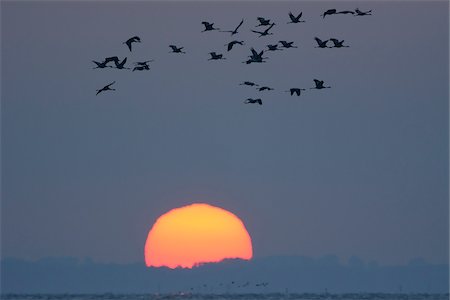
358	169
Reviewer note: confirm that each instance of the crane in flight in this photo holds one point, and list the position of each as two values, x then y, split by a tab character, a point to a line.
319	85
231	44
130	41
338	44
209	26
250	100
235	31
295	19
106	88
175	49
265	32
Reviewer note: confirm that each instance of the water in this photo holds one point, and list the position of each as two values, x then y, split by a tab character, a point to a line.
269	296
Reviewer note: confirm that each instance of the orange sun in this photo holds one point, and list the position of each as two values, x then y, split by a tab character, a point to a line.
195	234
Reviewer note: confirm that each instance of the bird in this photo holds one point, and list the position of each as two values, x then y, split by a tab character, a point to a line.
295	91
249	83
337	43
134	39
112	58
101	65
257	57
273	48
231	44
143	63
320	43
345	12
287	44
263	22
175	49
209	26
295	19
141	68
122	64
265	32
363	13
329	12
265	88
106	88
319	85
233	32
250	100
215	56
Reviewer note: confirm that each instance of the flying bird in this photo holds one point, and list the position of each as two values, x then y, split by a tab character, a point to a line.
286	44
338	44
175	49
130	41
106	88
121	65
320	43
265	32
250	100
296	91
231	44
295	19
101	65
233	32
141	68
215	56
363	13
143	63
265	88
319	85
115	59
249	83
209	26
273	48
263	22
328	13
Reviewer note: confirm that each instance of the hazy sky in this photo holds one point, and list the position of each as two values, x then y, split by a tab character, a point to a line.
358	169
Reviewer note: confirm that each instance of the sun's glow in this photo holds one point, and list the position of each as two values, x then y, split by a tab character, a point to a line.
195	234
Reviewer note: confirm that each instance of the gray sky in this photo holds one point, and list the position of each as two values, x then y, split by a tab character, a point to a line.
358	169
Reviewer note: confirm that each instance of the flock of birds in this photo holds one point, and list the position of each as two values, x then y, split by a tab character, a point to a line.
255	57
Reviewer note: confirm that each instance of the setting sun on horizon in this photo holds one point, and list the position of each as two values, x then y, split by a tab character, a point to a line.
195	234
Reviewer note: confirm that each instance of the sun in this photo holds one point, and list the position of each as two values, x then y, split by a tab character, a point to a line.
195	234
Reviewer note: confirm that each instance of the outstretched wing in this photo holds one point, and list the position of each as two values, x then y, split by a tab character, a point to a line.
107	86
239	25
129	43
319	41
267	30
257	32
291	16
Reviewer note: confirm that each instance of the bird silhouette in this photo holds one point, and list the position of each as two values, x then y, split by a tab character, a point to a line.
265	32
235	31
263	22
101	65
273	48
215	56
209	26
286	44
265	88
295	19
249	83
296	91
320	43
319	85
121	65
130	41
363	13
231	44
256	57
328	13
338	44
250	100
175	49
141	68
115	59
106	88
143	63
